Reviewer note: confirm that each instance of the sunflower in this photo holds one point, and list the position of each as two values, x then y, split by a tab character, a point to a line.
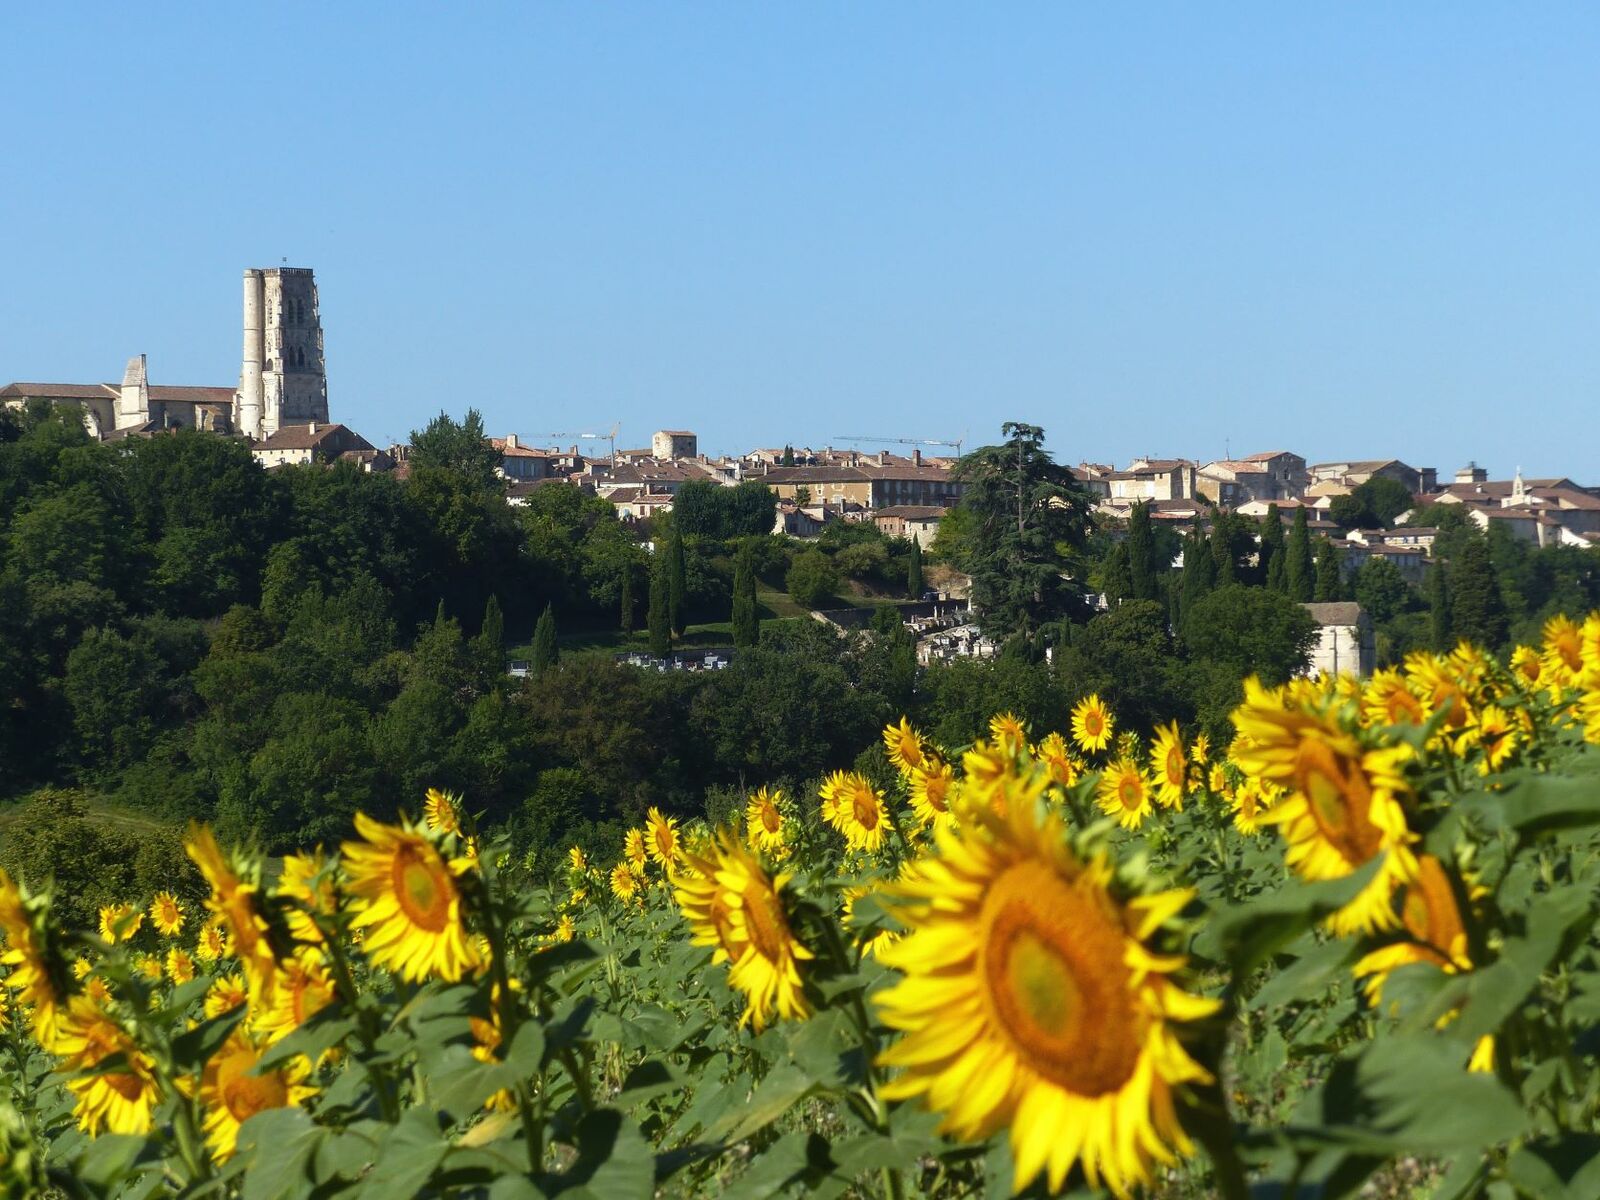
661	837
1124	793
119	922
236	902
1009	731
1091	724
1495	734
118	1100
565	929
1341	807
1031	997
1169	767
304	989
180	965
1200	749
1248	801
731	904
1525	665
1589	647
233	1089
868	944
624	883
211	944
407	902
1053	753
1217	780
1563	651
1439	684
576	861
1386	700
307	881
933	790
904	745
166	914
98	991
39	971
856	809
442	812
1431	920
226	993
763	818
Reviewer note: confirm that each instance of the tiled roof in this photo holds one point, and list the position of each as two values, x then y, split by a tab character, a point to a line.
1335	612
912	512
300	437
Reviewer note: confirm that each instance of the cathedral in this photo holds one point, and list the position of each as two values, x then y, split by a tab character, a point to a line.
283	379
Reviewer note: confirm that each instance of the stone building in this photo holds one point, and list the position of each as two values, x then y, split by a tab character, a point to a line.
1345	643
668	444
282	378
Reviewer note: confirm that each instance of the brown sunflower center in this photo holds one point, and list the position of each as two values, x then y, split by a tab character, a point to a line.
1339	800
937	791
1051	959
1176	765
124	1084
246	1095
1092	725
865	806
763	921
1130	791
771	818
422	889
666	840
1430	912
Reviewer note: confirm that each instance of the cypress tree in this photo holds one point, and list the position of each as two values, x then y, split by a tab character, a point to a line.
626	616
1114	579
1440	627
788	456
1270	559
490	644
1330	575
914	571
1477	610
675	583
1199	571
746	624
1221	550
545	651
1141	554
1298	576
660	622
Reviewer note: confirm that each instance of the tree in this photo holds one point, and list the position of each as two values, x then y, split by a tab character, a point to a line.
1441	629
1298	576
812	578
1373	504
914	584
1116	581
1141	554
705	509
746	622
1270	562
626	619
676	581
1126	656
788	457
659	620
1222	555
1477	610
1381	590
489	647
1251	631
1030	523
545	651
459	447
1199	572
1329	571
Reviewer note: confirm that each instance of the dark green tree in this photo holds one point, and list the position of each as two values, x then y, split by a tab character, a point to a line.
1141	555
1115	579
746	622
1029	528
489	647
812	578
660	619
1199	572
459	447
788	457
1251	631
1381	590
545	651
626	602
1477	611
1270	563
1441	626
914	584
1299	576
676	582
1329	571
1222	557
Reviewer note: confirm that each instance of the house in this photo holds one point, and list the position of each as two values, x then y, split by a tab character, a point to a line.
668	444
521	463
1352	473
1345	643
1410	561
291	445
1546	512
915	521
1273	475
1152	479
871	481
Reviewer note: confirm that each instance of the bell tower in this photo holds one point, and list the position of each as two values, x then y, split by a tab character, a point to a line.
283	379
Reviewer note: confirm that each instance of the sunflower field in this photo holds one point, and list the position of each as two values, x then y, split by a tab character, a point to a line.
1349	954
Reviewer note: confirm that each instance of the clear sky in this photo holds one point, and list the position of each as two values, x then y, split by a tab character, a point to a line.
1346	230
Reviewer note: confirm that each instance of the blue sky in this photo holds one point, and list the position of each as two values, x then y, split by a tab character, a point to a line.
1349	230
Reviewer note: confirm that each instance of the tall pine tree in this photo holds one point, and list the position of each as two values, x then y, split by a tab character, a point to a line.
660	621
1298	572
1141	555
625	618
914	571
1199	571
545	652
1441	629
1224	568
676	584
1330	571
746	623
1477	610
1270	561
1114	578
489	647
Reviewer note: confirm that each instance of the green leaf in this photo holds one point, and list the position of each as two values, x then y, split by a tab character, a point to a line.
614	1161
780	1091
827	1048
1308	976
327	1028
650	1079
108	1160
407	1158
1247	934
193	1047
279	1145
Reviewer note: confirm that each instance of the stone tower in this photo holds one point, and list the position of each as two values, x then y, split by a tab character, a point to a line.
283	379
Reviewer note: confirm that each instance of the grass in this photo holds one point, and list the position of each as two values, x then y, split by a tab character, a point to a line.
99	812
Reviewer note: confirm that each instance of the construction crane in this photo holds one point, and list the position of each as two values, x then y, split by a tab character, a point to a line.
591	437
955	445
